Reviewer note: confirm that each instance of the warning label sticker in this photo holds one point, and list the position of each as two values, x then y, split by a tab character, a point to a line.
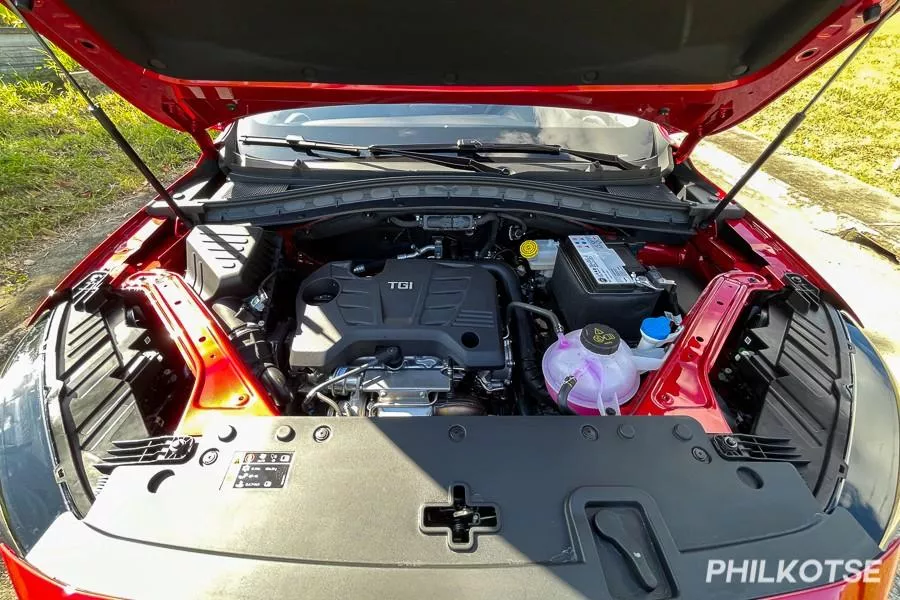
259	470
603	263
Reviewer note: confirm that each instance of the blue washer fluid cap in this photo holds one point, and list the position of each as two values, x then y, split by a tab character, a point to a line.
658	328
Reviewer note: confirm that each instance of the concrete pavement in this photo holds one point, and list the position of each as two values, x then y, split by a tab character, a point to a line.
810	206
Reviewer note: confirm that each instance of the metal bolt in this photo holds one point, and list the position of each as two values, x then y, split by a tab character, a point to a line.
322	433
730	442
242	398
666	399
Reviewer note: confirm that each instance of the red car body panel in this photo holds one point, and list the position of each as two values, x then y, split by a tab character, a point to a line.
697	109
31	584
223	385
138	253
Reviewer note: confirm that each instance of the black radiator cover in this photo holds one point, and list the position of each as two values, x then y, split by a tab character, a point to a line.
344	517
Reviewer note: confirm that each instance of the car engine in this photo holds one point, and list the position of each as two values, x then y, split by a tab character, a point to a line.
426	307
440	315
430	315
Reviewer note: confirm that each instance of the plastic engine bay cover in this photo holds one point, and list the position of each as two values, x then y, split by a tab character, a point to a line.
424	307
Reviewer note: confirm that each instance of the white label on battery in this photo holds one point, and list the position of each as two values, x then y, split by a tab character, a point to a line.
603	263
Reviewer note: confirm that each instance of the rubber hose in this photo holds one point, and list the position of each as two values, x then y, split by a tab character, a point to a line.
491	240
254	349
530	367
562	398
520	222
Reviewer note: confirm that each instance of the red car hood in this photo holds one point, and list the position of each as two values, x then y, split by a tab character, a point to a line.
699	66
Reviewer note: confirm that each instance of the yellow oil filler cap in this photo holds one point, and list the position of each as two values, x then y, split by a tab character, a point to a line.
529	249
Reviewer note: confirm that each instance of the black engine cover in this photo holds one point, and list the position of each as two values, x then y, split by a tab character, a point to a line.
423	306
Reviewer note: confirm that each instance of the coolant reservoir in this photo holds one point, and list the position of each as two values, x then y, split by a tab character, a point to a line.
603	368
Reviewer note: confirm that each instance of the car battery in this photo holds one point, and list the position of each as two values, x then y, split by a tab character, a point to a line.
603	282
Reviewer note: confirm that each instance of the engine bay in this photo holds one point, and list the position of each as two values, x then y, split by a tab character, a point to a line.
368	318
437	314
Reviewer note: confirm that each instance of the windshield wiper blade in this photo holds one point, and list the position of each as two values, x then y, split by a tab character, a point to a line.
312	147
453	162
473	147
295	142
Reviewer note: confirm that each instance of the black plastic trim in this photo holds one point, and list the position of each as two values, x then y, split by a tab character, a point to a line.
453	193
579	43
344	519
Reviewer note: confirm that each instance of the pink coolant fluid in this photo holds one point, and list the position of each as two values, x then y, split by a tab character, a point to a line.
603	366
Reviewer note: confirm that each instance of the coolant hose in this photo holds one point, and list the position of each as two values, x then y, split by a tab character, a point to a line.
491	240
254	349
562	398
530	366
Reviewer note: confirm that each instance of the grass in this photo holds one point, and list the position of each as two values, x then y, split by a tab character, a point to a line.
57	164
855	127
7	19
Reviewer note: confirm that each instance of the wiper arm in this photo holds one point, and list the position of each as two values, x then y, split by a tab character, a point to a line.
453	162
473	147
612	160
312	147
295	142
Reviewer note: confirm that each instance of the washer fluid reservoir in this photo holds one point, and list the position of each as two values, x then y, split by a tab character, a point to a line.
591	371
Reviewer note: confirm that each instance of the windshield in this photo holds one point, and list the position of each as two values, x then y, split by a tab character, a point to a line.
368	124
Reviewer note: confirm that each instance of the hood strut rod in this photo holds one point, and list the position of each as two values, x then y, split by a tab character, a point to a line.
792	125
107	124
